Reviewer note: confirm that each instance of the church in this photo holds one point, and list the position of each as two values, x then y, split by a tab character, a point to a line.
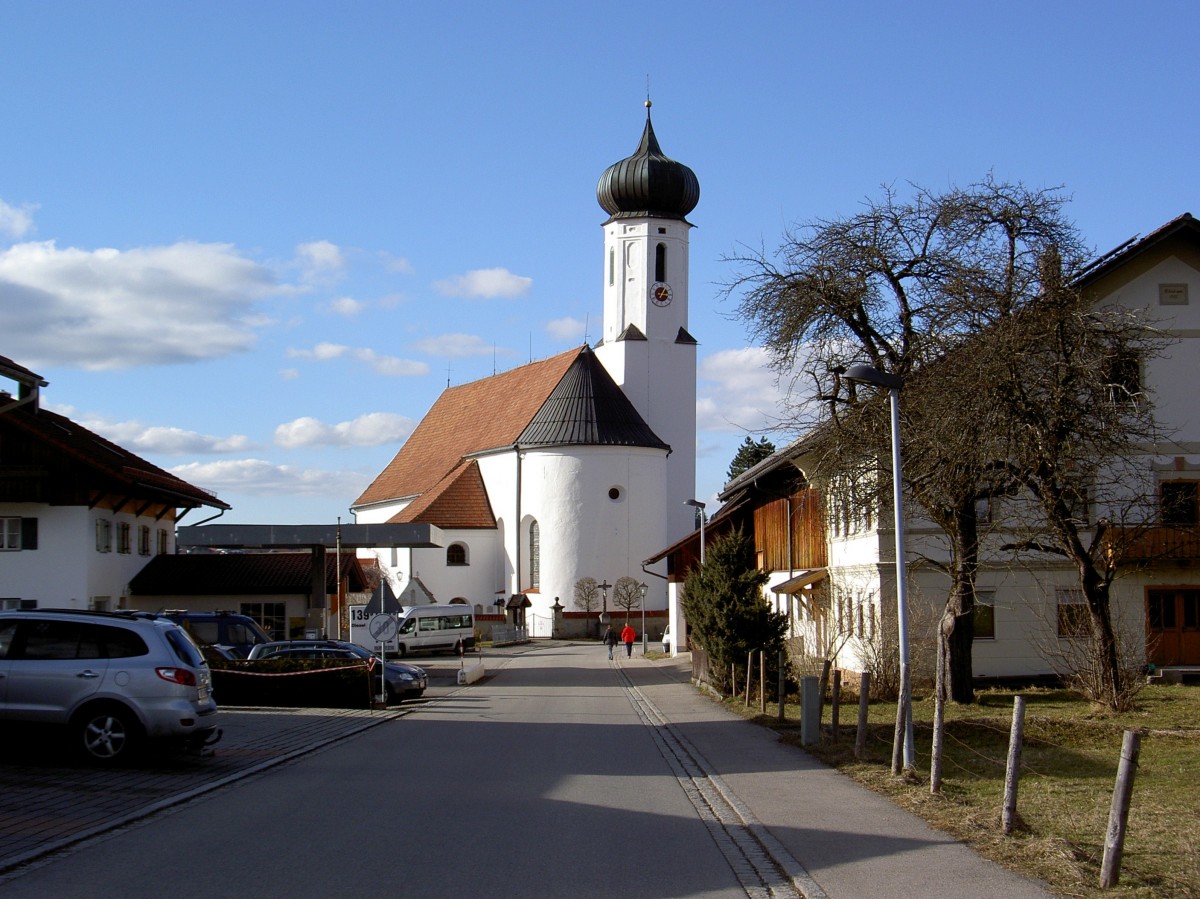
579	465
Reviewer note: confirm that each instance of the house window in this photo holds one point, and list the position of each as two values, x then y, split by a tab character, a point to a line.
1073	617
1177	502
103	535
162	541
1124	377
456	554
15	603
985	615
18	533
660	262
123	538
535	556
99	603
143	540
271	616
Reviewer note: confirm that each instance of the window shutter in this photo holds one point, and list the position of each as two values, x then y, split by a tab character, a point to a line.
29	533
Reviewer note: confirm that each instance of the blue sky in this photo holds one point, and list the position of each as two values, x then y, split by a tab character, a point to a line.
252	241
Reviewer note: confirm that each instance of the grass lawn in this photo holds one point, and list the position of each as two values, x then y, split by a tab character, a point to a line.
1068	770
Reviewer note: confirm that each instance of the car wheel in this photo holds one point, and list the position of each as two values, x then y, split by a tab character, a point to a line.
107	734
390	695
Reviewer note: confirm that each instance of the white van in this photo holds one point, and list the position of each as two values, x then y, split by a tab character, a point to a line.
436	627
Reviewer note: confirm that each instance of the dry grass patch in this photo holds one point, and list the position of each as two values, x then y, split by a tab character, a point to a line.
1069	763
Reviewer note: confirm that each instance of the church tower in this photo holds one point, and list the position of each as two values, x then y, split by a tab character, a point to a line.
646	346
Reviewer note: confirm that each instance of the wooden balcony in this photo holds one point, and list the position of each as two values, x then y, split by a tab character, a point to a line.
1163	543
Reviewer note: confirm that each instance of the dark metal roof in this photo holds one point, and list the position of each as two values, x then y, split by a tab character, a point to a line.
587	408
233	574
648	183
276	536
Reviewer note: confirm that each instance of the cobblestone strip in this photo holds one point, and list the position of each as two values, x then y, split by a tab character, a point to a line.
761	863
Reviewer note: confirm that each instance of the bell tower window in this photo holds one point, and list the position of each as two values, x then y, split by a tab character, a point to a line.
660	262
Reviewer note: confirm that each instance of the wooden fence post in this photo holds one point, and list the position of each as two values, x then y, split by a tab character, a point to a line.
782	682
864	703
762	682
1012	773
1118	816
835	702
749	672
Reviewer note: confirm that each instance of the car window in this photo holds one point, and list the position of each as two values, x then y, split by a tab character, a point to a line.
185	650
238	633
50	640
117	642
8	630
204	631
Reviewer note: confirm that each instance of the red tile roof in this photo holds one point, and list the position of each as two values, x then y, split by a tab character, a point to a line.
483	415
459	500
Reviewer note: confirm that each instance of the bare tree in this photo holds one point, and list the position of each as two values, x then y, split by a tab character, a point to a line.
1074	423
899	285
587	594
627	595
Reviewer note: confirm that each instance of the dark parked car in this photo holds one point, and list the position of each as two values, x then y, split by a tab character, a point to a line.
113	681
403	681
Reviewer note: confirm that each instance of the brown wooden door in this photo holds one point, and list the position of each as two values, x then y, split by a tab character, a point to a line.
1173	625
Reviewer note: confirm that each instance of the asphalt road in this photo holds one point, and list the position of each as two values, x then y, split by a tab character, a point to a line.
543	780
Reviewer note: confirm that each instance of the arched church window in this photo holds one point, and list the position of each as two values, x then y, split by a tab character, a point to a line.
660	262
535	556
456	554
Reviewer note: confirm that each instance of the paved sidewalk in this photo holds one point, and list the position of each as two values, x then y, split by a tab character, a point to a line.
850	841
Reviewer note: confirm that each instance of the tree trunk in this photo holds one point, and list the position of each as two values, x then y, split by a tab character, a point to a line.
958	623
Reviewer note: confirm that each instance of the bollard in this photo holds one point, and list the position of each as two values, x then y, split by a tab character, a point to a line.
810	711
864	707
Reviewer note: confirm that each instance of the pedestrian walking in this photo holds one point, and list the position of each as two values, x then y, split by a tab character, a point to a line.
610	640
628	635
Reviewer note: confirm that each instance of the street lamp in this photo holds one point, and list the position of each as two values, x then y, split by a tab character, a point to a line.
867	374
642	587
695	503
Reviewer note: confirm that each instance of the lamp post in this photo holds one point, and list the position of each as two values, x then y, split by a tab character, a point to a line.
695	503
642	587
867	374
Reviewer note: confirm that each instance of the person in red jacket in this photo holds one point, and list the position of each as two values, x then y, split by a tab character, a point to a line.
628	635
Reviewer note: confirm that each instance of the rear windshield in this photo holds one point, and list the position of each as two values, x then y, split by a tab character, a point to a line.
183	647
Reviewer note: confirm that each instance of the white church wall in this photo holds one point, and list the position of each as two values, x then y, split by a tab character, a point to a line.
585	531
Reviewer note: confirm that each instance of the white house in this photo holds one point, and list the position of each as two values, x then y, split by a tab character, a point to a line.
79	515
573	466
833	574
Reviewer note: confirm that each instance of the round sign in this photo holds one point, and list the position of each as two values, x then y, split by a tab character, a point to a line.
383	627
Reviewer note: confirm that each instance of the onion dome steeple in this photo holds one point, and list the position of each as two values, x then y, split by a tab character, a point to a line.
648	183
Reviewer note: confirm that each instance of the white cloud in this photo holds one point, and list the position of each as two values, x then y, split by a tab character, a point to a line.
395	263
738	392
289	374
566	328
320	260
112	309
139	438
15	222
347	306
454	345
257	477
485	283
372	429
392	366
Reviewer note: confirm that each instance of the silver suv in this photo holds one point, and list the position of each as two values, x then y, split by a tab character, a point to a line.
112	679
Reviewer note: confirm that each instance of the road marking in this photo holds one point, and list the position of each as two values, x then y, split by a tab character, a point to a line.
762	864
